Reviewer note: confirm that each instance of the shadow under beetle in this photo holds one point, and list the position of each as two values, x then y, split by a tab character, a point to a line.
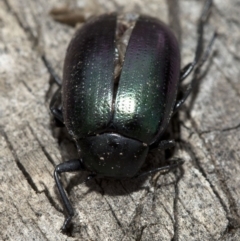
120	82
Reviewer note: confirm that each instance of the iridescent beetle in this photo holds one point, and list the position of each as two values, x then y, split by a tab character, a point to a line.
120	82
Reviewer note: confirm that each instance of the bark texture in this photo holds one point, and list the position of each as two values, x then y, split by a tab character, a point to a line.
198	201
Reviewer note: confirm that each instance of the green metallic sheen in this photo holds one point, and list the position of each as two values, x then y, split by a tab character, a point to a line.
147	88
149	81
88	77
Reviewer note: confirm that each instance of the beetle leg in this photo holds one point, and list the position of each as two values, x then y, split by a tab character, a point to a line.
179	103
165	144
199	49
57	113
58	117
54	75
69	166
178	161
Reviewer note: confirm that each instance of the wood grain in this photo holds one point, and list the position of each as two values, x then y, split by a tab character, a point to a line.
198	201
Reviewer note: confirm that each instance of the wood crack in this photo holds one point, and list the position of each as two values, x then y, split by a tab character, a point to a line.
197	221
175	205
229	81
42	147
28	31
144	210
220	130
19	165
112	211
225	189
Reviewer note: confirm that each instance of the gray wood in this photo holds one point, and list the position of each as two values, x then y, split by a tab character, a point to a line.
199	201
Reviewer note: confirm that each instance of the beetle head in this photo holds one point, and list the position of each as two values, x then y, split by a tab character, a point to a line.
113	155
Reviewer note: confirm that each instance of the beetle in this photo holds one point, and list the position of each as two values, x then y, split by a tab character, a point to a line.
119	92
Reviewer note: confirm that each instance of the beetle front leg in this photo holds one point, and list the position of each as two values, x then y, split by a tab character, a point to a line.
69	166
164	144
178	161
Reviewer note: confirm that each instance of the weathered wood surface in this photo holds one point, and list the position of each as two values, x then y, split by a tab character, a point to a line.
199	201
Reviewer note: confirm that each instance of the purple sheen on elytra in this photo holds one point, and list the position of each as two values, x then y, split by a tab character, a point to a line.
88	77
140	105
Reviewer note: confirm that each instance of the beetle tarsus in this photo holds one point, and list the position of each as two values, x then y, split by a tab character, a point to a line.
187	70
50	69
200	57
208	49
66	223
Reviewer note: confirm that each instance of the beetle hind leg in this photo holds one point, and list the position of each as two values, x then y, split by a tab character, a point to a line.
200	56
52	72
187	70
179	103
69	166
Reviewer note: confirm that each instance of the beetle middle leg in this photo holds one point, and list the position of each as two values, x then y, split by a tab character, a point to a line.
52	72
55	110
69	166
56	99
